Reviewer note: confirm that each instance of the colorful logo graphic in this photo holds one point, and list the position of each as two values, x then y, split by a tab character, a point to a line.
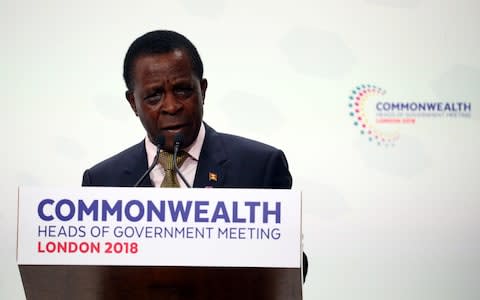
377	117
360	97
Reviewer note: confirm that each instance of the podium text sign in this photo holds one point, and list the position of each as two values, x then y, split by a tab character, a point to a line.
114	243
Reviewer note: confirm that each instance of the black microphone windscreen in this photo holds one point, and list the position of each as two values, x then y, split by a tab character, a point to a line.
179	139
160	141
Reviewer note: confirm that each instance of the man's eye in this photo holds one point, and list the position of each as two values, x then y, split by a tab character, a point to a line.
153	98
183	91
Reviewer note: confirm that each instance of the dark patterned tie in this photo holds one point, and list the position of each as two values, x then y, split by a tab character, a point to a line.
166	161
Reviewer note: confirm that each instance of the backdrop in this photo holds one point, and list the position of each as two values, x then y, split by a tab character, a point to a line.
390	189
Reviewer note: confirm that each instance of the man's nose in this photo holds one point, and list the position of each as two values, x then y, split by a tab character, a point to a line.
170	104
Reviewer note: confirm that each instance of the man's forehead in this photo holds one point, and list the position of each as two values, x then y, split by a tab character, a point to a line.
172	62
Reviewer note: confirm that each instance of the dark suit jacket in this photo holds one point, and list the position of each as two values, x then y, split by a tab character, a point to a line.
238	163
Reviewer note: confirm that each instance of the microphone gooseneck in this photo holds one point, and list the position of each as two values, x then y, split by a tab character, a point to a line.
178	142
159	142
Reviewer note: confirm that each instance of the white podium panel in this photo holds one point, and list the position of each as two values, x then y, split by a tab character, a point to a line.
159	227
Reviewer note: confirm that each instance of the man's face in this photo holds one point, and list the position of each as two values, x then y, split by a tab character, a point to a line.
167	96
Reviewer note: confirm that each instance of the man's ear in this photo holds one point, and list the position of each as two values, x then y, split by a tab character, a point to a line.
203	87
131	100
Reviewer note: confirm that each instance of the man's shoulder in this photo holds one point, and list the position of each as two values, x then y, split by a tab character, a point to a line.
250	163
121	169
248	144
242	144
238	149
119	159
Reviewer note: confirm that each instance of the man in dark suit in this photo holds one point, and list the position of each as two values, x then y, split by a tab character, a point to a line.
166	90
233	161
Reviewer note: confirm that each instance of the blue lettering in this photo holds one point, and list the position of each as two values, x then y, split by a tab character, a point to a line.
252	206
83	208
70	213
275	212
431	106
236	219
136	210
116	209
221	212
199	211
184	211
41	213
160	212
395	106
128	213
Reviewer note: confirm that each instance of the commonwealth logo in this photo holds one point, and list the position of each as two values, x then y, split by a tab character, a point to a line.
378	118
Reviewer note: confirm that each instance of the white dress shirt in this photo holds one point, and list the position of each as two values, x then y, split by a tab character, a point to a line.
188	168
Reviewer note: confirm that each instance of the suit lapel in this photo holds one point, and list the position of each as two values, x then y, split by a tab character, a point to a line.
212	163
211	170
136	166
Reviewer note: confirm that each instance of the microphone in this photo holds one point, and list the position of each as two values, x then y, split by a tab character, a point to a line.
178	141
159	142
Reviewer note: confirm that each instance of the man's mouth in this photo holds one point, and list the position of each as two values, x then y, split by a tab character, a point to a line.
173	128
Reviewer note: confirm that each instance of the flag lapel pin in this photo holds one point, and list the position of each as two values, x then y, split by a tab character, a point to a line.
212	176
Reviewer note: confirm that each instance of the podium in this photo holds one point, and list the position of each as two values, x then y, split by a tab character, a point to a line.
144	243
